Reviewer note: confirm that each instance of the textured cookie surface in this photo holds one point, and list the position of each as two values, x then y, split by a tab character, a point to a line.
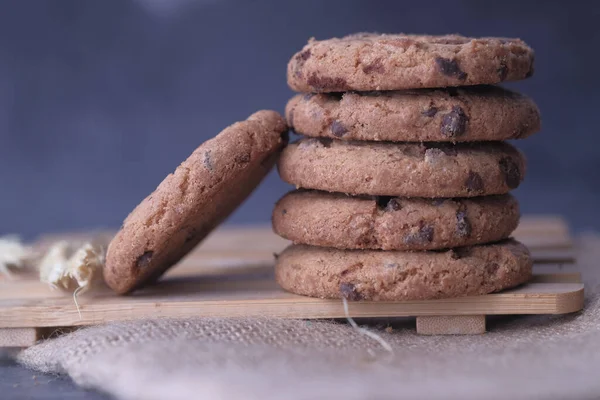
395	275
403	169
392	223
477	113
389	62
190	202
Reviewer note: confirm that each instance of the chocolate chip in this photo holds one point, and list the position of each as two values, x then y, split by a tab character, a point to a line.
393	205
375	66
491	268
463	226
208	162
388	203
422	236
326	83
349	292
305	55
325	142
300	59
337	129
502	71
283	212
242	158
511	172
460	252
474	183
430	112
454	123
275	256
464	251
450	68
143	261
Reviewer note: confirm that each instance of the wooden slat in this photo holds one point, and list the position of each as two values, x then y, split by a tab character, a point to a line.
19	337
451	325
259	296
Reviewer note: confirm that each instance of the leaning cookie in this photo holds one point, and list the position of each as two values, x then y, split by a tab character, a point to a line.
366	62
393	223
477	113
188	204
397	276
403	169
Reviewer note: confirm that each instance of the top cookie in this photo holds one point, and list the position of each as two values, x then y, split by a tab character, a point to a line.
390	62
189	203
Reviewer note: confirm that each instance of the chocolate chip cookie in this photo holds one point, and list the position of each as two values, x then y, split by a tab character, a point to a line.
393	223
193	200
396	276
403	169
477	113
367	61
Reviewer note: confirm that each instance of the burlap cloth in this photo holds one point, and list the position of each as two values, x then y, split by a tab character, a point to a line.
550	357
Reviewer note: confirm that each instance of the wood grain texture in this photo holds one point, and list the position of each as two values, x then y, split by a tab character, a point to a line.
451	325
256	295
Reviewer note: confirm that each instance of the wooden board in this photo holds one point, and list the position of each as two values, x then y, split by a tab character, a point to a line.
230	275
257	295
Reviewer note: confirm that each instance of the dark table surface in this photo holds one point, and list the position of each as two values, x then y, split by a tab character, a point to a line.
17	382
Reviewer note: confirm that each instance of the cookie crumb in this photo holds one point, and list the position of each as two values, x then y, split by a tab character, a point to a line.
208	162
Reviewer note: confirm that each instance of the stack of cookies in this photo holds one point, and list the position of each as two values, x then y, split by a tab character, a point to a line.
404	177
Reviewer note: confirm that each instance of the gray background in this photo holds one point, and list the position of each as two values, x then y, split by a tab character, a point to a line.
99	100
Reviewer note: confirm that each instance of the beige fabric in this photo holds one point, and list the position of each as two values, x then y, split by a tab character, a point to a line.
550	357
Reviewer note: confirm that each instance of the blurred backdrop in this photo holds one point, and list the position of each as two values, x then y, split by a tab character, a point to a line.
99	100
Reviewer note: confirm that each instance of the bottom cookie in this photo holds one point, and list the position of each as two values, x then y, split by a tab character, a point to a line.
396	275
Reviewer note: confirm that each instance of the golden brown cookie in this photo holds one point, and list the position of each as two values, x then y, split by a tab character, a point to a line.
468	114
403	169
393	223
396	276
368	61
189	203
